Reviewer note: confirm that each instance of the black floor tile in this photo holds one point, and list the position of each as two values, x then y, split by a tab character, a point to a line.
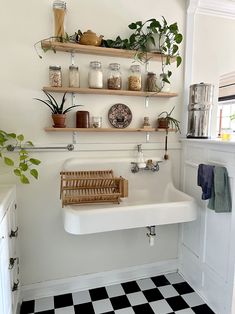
160	281
111	312
183	287
27	307
153	295
130	287
63	300
202	309
85	308
143	309
46	312
98	294
120	302
177	303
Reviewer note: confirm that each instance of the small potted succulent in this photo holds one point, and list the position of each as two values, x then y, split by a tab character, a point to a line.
58	111
165	121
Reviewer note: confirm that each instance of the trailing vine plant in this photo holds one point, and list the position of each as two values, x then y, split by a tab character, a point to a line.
24	165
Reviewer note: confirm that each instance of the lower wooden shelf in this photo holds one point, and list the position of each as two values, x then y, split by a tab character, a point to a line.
97	130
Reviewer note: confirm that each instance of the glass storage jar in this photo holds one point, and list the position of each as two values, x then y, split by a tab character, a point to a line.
151	82
73	76
96	122
95	76
55	76
59	9
114	80
134	79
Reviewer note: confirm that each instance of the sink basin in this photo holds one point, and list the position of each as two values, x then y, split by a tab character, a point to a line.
152	200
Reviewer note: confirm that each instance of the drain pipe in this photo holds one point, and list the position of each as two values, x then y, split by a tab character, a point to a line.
151	234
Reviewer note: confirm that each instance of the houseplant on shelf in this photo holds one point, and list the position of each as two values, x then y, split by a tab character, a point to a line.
24	165
165	121
58	111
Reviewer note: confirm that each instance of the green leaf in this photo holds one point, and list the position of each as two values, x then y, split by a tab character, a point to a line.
8	161
20	137
178	61
132	26
34	161
29	143
23	166
23	157
178	38
24	179
1	155
17	172
12	135
34	173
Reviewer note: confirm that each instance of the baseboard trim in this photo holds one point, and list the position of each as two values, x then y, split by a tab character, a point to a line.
90	281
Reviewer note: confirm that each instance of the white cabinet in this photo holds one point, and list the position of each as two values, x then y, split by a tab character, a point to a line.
9	255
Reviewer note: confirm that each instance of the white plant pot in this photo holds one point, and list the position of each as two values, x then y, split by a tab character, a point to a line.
155	48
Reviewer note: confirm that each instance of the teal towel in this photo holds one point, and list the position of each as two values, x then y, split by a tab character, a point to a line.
220	200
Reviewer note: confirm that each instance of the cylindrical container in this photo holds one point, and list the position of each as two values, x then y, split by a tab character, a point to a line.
96	122
95	75
82	119
114	76
59	9
55	76
163	86
199	110
73	76
151	82
134	79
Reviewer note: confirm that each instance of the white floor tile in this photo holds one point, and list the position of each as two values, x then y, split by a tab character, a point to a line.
168	291
65	310
192	299
136	298
81	297
145	284
174	278
160	307
185	311
102	306
128	310
44	304
115	290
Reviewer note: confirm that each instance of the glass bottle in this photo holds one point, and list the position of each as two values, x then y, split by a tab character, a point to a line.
114	76
55	76
59	9
73	76
134	79
95	75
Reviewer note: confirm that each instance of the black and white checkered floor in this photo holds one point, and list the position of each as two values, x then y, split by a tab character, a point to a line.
161	295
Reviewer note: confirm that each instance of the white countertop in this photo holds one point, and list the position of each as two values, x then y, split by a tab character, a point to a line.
7	194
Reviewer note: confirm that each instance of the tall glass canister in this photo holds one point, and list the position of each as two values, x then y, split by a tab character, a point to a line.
95	75
114	80
59	9
134	78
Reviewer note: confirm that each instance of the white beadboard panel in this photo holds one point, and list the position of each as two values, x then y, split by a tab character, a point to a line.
195	153
221	156
217	239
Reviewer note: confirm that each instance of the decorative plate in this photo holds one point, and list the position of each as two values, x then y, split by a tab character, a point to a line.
120	116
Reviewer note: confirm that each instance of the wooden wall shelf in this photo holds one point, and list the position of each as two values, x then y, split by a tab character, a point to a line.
99	130
102	91
102	51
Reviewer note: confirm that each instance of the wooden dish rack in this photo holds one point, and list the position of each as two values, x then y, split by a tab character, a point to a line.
86	187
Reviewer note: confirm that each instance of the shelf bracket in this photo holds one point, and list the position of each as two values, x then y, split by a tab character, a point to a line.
147	66
75	137
146	101
147	137
72	58
73	97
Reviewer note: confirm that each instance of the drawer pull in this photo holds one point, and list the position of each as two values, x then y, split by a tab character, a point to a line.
15	285
13	233
12	262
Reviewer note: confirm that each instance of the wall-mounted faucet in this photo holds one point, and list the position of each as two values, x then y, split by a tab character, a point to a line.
149	165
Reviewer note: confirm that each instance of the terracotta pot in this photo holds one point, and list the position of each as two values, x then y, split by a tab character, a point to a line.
59	120
162	123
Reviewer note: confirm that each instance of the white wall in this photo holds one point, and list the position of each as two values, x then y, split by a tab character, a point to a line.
47	251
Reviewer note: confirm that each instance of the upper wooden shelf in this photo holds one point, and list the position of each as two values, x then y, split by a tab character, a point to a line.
93	50
106	92
87	130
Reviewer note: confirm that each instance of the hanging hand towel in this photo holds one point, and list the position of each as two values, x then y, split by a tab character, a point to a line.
221	197
205	180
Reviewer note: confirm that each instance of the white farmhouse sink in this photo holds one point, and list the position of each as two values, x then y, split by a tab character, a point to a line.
152	200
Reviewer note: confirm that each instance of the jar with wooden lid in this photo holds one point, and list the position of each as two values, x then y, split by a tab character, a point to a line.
114	80
134	79
55	76
59	9
74	76
95	75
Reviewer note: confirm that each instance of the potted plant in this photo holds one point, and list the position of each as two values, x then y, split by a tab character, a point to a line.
25	164
166	121
58	111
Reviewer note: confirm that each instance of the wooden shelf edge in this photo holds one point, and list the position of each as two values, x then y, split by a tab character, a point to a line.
84	90
102	51
99	130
